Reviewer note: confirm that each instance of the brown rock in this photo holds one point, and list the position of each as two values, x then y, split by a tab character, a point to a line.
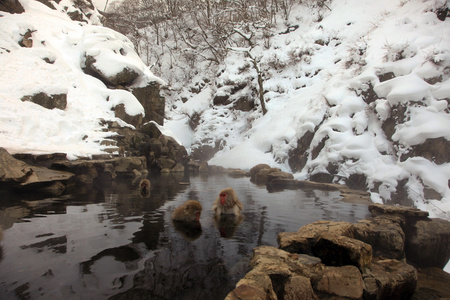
428	243
337	250
390	279
11	6
341	282
384	234
303	240
48	101
410	212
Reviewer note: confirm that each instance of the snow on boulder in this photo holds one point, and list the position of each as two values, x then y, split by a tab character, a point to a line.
110	56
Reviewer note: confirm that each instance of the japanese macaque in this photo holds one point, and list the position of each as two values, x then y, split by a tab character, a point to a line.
144	186
227	203
189	211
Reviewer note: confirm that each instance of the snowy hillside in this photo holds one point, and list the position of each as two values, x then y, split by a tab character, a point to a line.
340	74
54	65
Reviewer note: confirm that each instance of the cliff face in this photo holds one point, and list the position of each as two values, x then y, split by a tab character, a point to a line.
66	79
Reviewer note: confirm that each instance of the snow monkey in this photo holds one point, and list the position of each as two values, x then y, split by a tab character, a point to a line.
189	211
227	203
144	186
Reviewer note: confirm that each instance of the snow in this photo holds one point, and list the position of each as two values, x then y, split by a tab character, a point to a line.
77	130
314	78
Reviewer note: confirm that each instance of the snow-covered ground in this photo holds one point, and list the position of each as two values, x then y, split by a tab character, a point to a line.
76	130
315	77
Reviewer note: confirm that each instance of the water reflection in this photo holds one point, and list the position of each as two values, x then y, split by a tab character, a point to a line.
110	243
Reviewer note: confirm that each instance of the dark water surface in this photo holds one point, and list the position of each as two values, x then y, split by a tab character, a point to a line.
111	243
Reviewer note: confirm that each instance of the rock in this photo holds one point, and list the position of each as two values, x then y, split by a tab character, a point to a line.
44	160
17	174
436	150
335	250
384	234
48	101
303	240
13	170
236	173
409	212
345	282
298	287
428	243
255	170
245	291
153	103
11	6
278	175
432	284
125	77
390	279
299	155
121	113
177	169
27	40
262	176
90	171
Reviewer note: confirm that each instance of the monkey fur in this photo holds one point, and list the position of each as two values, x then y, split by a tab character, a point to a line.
189	211
227	203
144	186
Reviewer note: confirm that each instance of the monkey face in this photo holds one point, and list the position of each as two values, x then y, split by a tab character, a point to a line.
223	197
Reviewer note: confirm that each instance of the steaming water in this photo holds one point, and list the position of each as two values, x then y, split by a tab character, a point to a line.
111	243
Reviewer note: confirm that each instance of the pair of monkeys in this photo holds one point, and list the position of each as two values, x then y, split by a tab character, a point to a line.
227	203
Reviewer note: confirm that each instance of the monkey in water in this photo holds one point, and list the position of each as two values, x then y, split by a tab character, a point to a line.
189	211
227	203
144	186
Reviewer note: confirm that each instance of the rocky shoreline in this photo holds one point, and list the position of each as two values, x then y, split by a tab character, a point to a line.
398	253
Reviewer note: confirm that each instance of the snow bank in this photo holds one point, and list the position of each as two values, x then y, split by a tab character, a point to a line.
53	65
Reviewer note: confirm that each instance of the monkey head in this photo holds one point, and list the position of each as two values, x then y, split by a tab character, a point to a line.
227	197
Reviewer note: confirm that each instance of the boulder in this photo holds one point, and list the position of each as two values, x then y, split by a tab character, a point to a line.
48	101
153	103
17	174
121	113
428	243
11	6
305	238
91	171
408	212
338	250
384	234
390	279
345	282
236	173
125	77
255	170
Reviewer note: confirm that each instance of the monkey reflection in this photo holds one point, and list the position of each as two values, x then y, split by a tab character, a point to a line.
227	224
227	203
144	187
186	220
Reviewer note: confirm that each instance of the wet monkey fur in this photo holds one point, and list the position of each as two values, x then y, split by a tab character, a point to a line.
227	203
189	211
